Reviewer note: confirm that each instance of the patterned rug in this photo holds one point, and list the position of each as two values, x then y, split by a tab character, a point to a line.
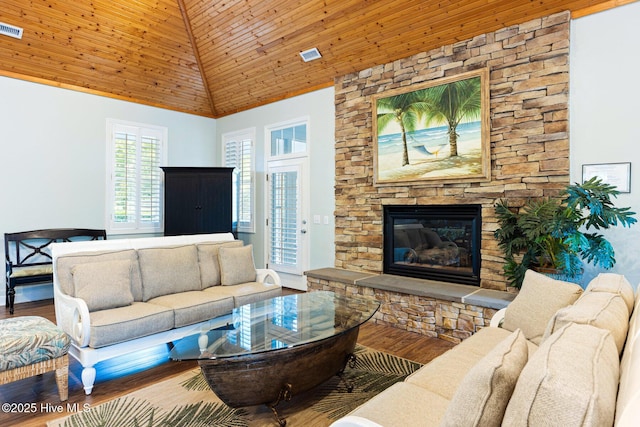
187	400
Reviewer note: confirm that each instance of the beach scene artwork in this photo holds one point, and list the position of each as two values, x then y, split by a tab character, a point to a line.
435	132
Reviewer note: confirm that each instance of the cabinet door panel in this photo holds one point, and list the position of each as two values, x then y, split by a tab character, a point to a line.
215	190
181	202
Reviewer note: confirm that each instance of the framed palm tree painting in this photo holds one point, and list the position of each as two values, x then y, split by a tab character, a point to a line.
437	131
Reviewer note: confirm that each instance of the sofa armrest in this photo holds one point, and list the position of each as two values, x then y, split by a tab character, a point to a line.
264	274
498	318
354	421
72	316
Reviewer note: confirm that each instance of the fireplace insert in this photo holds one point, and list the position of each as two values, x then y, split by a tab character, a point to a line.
437	242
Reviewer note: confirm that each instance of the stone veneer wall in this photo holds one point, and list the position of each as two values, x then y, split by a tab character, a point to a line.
447	320
529	91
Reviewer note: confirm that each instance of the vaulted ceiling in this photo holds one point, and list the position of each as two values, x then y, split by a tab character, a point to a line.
214	58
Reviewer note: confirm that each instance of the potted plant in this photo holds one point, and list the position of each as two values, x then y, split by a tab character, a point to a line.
551	235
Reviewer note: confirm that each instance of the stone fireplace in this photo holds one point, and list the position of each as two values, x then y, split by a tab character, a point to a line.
528	66
440	242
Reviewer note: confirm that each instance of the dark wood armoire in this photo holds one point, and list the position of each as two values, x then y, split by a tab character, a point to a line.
197	200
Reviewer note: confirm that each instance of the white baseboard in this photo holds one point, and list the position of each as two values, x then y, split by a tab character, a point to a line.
293	281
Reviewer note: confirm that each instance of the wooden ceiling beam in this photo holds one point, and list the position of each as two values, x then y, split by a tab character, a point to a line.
207	87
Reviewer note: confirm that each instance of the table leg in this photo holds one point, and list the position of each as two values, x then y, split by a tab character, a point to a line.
285	394
351	362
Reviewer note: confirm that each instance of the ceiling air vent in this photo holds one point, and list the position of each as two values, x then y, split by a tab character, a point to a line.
310	55
10	30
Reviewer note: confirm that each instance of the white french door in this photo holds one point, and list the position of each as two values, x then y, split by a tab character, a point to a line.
287	224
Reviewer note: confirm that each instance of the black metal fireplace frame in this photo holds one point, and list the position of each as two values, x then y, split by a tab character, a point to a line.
471	212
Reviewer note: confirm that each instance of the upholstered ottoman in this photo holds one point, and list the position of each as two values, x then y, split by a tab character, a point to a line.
31	345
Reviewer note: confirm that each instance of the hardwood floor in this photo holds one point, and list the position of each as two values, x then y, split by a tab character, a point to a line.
121	376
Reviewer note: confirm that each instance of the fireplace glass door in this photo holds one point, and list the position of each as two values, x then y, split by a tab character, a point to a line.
433	242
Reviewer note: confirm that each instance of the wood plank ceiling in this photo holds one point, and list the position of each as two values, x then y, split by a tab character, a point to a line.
214	58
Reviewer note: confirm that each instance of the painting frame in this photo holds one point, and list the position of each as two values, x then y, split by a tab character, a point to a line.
618	174
429	165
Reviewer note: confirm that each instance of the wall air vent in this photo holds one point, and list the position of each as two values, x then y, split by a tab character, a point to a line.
10	30
310	55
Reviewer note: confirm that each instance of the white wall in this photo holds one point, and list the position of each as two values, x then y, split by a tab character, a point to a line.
319	107
52	154
604	113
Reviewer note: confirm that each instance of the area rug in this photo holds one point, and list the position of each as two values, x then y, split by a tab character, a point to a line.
187	401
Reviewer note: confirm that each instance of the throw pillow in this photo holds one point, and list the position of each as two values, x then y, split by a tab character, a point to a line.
483	394
236	265
601	309
539	298
66	263
571	380
208	260
103	285
168	270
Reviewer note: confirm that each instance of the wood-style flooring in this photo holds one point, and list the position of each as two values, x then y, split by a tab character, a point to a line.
121	376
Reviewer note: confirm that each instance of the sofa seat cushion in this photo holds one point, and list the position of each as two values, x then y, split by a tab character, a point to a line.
572	380
615	284
404	404
538	300
483	394
600	309
208	261
103	285
194	306
168	270
444	373
126	323
247	293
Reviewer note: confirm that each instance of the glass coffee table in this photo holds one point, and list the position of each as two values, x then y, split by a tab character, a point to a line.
275	348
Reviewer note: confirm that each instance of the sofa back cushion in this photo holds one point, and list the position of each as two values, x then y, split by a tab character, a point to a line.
572	380
168	270
483	394
65	264
628	401
208	260
613	283
600	309
103	285
236	265
538	300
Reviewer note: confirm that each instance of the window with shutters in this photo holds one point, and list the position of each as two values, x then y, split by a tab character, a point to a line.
135	188
239	154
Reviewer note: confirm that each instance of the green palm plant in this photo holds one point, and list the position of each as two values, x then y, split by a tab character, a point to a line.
553	233
452	103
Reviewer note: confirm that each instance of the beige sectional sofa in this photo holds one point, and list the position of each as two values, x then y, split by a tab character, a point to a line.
115	297
556	356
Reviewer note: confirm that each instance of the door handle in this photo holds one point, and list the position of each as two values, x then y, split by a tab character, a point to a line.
303	231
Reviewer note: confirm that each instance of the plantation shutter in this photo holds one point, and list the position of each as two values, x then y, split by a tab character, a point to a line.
284	218
239	155
136	177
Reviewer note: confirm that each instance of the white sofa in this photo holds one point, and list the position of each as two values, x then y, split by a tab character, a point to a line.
115	297
554	357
